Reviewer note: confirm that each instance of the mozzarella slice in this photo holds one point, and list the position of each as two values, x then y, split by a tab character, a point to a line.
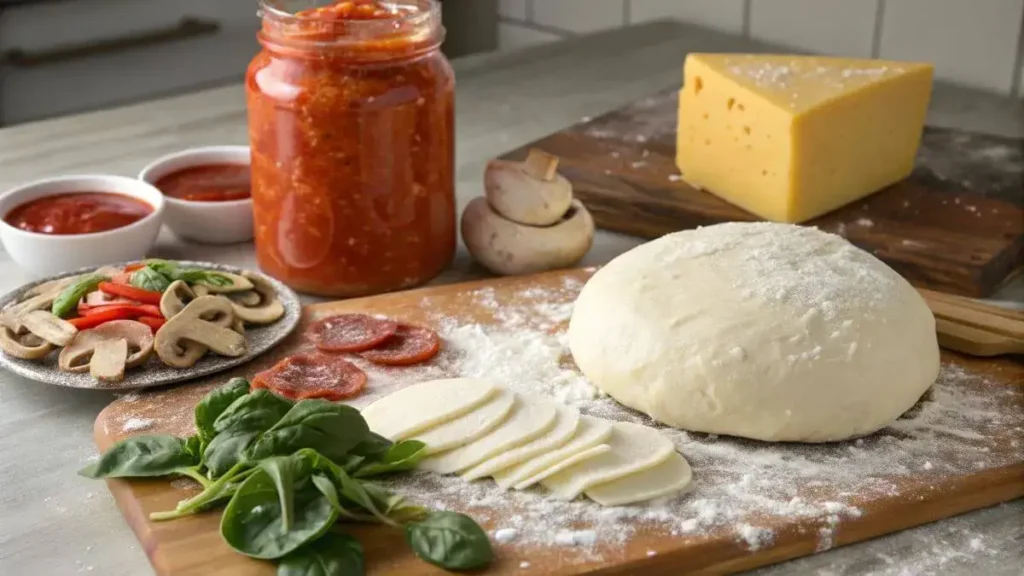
567	420
468	427
590	433
669	477
415	408
528	420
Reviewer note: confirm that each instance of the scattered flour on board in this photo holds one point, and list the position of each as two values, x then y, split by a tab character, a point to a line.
137	424
744	489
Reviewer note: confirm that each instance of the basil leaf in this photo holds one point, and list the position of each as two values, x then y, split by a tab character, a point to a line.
215	403
148	279
330	429
197	276
374	445
332	554
450	540
400	457
239	426
67	301
142	457
168	269
253	521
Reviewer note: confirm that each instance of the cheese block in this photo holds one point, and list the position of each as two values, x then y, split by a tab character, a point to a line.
789	138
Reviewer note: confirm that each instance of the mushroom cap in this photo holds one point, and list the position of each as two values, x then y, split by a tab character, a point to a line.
507	247
75	356
204	324
173	300
517	195
26	347
267	308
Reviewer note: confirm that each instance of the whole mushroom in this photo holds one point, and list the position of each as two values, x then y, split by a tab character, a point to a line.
528	221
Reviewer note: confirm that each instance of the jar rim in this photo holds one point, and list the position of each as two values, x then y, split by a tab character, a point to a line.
420	22
425	9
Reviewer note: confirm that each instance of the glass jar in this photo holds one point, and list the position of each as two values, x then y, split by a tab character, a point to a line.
351	125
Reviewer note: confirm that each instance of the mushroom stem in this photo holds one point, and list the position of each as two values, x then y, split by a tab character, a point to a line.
541	165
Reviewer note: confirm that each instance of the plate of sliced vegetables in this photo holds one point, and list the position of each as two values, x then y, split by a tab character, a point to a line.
142	324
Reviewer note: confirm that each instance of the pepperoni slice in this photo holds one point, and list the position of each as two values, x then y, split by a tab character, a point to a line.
408	345
351	332
313	376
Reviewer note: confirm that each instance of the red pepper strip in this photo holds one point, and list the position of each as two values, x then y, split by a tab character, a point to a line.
139	310
154	323
87	322
134	267
144	296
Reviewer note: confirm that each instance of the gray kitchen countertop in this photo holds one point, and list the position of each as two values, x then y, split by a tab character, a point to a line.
53	522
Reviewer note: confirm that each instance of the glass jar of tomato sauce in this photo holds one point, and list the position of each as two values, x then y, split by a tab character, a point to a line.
351	125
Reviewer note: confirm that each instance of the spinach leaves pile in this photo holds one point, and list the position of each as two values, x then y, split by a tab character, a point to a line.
286	473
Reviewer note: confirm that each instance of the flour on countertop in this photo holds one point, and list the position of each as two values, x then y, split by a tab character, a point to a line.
137	424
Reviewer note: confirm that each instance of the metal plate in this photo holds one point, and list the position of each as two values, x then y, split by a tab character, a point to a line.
156	373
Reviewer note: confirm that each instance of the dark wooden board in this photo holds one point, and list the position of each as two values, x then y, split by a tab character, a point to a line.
193	546
956	225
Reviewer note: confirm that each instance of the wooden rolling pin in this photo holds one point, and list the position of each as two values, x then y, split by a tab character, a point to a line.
974	328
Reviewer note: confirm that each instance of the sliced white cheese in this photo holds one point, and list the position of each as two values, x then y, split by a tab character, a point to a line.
562	465
529	419
567	420
415	408
590	433
669	477
468	427
634	448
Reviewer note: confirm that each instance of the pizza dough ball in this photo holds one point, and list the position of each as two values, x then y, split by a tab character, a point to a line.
768	331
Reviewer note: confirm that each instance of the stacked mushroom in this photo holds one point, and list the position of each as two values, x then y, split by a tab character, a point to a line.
528	221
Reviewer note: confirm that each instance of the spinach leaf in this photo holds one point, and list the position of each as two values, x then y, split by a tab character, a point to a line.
450	540
215	403
352	490
332	554
327	488
394	506
373	445
330	429
239	426
399	458
350	463
253	521
148	279
285	471
67	301
142	457
214	494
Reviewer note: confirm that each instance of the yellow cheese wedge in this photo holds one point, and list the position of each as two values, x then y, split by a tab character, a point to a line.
792	137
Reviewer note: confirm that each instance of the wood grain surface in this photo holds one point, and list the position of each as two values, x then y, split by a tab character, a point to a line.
193	546
956	225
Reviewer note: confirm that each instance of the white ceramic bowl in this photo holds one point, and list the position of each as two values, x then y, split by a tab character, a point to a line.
48	255
207	222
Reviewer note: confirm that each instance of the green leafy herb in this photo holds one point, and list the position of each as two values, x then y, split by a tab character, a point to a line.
394	506
148	279
141	457
400	457
255	524
67	301
373	445
172	272
450	540
284	471
330	429
332	554
239	426
215	403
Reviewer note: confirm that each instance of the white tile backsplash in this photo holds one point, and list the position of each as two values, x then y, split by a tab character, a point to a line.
726	15
973	42
516	9
579	15
836	27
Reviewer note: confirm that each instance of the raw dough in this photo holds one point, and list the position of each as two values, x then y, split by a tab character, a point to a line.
468	427
634	448
568	420
669	477
530	418
413	409
591	432
768	331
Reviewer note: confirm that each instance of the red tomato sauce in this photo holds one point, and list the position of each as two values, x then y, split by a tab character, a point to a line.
78	213
351	126
209	183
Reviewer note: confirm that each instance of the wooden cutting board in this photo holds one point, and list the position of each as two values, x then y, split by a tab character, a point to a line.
889	497
956	225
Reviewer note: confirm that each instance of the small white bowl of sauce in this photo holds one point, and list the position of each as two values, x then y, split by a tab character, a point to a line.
59	224
207	192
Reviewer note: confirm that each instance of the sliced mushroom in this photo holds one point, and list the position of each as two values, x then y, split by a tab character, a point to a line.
12	315
507	247
53	286
109	359
177	295
48	327
27	347
200	322
238	284
98	298
77	356
267	310
250	298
